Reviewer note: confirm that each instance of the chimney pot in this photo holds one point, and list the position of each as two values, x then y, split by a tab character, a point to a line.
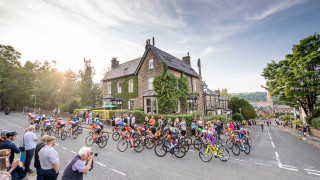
114	63
186	59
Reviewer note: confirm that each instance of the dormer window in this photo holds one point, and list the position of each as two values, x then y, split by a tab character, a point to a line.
150	63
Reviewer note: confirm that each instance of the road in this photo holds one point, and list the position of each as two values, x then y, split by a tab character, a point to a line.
274	155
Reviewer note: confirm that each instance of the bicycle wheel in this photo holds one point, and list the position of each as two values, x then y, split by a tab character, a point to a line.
246	148
89	140
186	145
75	135
37	127
235	149
56	133
64	135
249	142
179	151
41	133
122	145
223	154
229	143
103	142
205	156
106	135
116	136
138	146
149	143
188	140
79	129
197	144
160	150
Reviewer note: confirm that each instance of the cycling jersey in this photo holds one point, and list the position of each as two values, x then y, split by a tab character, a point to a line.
211	138
241	135
45	122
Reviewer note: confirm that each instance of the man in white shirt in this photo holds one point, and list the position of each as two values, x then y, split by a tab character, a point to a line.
30	140
49	160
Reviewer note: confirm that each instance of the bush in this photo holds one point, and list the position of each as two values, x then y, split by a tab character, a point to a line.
316	123
222	118
308	119
73	105
244	122
286	117
237	117
104	114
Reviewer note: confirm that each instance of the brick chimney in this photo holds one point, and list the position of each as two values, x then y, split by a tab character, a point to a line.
147	42
186	59
114	63
217	91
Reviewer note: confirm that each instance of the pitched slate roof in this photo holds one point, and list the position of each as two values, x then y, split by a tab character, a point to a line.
124	69
223	98
170	61
210	92
265	109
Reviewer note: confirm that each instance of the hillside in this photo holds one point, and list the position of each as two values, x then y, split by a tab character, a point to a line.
254	96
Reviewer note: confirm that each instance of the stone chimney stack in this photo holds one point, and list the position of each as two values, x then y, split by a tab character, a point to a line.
217	91
147	42
186	59
114	63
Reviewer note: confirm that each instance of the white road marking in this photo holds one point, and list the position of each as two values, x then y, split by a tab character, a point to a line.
239	160
73	152
263	164
57	144
289	169
100	164
313	173
118	172
272	144
270	138
64	148
191	150
288	166
308	166
312	170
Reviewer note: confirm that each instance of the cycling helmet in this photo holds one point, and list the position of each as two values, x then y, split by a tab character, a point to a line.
199	130
4	132
12	133
122	124
204	131
135	126
241	129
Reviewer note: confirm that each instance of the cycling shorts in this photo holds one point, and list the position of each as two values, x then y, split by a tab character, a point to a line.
174	136
62	125
98	130
47	128
213	142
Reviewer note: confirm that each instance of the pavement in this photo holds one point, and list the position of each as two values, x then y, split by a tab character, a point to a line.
274	155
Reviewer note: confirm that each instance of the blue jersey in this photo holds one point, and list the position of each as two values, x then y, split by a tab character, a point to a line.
241	135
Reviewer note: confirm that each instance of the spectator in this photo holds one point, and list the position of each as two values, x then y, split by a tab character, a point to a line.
49	160
200	123
58	113
219	128
183	126
55	112
36	156
3	136
169	123
113	122
11	169
30	145
152	121
39	111
8	144
118	120
176	123
23	154
84	115
193	128
87	118
132	120
4	163
90	117
76	168
97	118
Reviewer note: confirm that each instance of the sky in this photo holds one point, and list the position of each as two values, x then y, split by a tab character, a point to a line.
234	39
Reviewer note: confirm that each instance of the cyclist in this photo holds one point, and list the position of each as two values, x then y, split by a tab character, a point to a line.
173	134
261	124
36	120
141	131
241	138
60	124
46	126
209	139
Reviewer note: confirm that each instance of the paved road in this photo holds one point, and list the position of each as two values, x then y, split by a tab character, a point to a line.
274	155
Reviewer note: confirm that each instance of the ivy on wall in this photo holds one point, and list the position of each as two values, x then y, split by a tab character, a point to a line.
125	95
169	89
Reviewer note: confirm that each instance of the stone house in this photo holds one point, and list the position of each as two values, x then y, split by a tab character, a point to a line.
129	85
265	112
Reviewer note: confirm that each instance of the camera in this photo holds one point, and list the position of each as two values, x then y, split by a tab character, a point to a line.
95	154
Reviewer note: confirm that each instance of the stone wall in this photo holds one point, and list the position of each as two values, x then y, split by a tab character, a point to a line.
315	132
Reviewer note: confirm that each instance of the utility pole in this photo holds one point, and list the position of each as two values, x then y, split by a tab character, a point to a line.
201	95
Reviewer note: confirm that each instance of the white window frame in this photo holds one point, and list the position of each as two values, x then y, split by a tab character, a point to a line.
151	63
129	105
130	85
109	88
150	88
194	86
119	87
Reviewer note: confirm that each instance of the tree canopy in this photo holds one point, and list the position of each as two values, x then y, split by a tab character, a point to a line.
247	110
296	78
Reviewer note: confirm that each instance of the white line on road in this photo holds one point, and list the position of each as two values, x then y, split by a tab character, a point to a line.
272	144
313	173
263	164
239	160
312	170
289	169
73	152
270	138
56	144
64	148
118	172
288	166
191	150
100	164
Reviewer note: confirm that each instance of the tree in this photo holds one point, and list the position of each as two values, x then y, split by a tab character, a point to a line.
224	93
166	86
86	83
296	79
247	110
237	117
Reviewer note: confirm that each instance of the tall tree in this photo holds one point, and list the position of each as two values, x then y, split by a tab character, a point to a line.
86	83
224	93
235	104
296	79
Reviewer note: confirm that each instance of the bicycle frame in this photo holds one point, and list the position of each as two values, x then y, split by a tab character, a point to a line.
219	153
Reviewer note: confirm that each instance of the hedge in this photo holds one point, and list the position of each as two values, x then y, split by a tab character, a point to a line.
104	114
316	123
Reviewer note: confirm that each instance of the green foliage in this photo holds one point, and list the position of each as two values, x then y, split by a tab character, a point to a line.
316	123
296	79
308	119
125	95
195	93
183	93
86	83
73	105
237	117
286	117
247	110
166	86
244	122
222	118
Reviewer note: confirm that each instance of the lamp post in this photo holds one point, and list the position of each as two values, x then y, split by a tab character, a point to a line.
35	102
